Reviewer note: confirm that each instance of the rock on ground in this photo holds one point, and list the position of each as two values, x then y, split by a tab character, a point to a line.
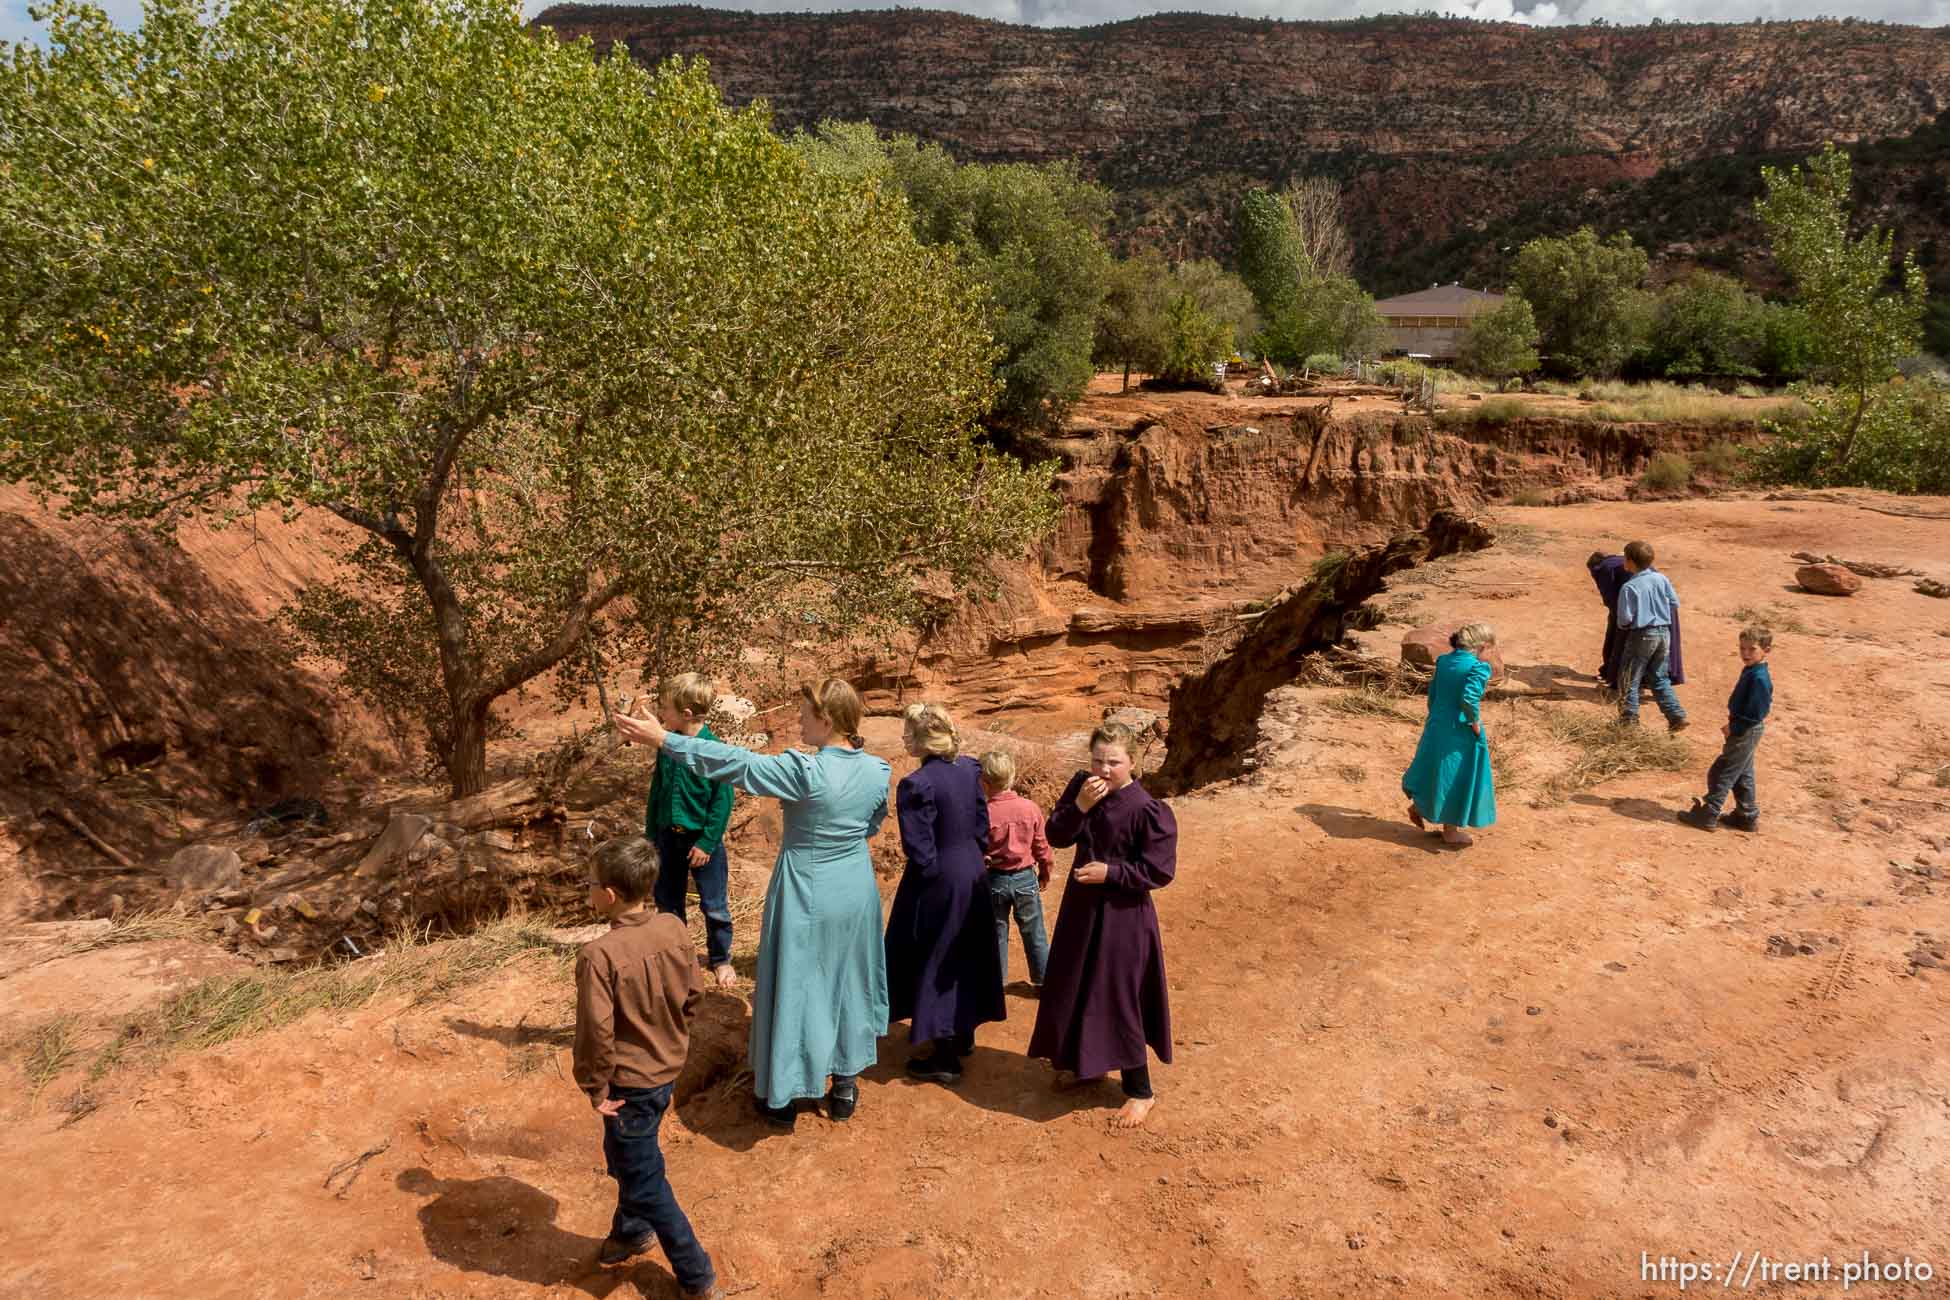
1426	644
1828	579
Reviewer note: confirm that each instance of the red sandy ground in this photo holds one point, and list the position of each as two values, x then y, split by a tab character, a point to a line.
1398	1071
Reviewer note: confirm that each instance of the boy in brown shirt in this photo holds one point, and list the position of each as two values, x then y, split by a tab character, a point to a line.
636	988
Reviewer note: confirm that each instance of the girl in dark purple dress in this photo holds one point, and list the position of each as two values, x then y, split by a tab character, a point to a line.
1104	998
944	970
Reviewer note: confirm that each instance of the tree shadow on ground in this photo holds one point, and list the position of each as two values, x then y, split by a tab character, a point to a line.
1353	824
1560	680
520	1034
503	1227
1639	810
1007	1083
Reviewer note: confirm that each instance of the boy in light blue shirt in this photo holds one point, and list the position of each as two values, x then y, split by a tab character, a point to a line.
1647	605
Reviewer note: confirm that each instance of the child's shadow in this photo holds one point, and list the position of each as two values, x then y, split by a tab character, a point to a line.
1008	1083
505	1228
1641	810
1353	824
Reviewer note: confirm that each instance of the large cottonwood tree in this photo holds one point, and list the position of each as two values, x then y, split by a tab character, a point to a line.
588	359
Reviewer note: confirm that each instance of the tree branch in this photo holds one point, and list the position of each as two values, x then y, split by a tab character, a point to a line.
558	647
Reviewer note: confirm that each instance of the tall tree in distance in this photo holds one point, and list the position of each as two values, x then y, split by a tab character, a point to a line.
1859	331
586	358
1862	429
1272	260
1130	320
1314	204
1502	343
1029	234
1587	297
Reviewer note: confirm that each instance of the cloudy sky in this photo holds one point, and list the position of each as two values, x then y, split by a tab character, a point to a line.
16	26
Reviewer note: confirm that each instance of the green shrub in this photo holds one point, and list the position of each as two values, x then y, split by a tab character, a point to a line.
1721	460
1668	472
1323	363
1491	410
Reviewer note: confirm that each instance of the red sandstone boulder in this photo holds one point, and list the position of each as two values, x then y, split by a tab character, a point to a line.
1828	580
1425	645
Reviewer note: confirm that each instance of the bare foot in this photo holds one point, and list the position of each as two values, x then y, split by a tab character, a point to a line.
1415	815
1133	1113
1460	839
727	977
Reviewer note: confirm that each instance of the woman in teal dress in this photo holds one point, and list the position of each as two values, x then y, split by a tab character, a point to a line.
1449	782
820	1005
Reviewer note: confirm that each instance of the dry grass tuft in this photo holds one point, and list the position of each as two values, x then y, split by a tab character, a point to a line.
46	1050
228	1007
1779	618
1601	750
143	927
1367	702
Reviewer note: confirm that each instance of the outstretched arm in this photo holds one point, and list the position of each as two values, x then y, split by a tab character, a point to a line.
786	776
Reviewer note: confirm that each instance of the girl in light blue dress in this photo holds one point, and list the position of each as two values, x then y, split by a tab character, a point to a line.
1450	780
820	1005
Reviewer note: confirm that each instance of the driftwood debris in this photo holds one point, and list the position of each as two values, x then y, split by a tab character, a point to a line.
95	841
1861	568
511	803
352	1167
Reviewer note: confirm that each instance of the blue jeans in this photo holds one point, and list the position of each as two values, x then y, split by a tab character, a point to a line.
713	889
644	1202
1016	891
1643	663
1733	771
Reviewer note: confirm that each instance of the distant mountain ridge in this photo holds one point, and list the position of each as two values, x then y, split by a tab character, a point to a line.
1436	128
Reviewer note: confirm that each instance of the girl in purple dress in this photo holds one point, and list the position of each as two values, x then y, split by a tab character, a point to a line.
944	970
1104	997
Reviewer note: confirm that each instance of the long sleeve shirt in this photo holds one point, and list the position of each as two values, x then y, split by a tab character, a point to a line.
1753	696
636	988
1016	838
681	799
1647	600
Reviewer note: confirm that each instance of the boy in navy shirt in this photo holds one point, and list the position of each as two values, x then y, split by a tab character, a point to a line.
1733	770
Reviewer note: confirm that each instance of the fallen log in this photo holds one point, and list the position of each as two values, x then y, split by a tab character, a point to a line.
519	802
1861	568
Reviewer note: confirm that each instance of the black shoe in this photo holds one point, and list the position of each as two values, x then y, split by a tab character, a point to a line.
615	1250
1700	818
1741	822
777	1116
935	1069
841	1101
1676	727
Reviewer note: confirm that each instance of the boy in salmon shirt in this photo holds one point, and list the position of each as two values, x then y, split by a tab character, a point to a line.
1017	845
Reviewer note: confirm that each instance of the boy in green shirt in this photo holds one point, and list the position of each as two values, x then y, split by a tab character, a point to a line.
686	820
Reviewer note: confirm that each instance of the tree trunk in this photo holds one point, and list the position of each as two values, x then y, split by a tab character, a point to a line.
467	760
1127	376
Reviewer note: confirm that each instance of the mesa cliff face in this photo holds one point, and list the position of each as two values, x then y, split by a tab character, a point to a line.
1432	125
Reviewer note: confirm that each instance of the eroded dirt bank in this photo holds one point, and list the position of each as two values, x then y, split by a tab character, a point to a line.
1180	511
